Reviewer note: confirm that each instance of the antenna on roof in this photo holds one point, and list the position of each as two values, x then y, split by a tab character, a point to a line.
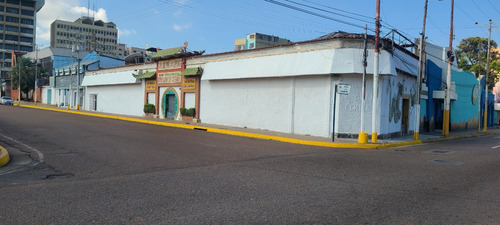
88	8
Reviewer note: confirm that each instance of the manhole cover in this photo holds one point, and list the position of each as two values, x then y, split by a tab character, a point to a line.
447	162
441	152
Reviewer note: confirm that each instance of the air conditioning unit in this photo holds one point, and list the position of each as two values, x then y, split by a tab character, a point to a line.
137	72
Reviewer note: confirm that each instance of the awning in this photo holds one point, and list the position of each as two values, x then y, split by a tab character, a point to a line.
192	71
109	79
145	75
165	53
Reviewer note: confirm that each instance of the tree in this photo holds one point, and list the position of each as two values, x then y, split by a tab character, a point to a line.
24	68
467	54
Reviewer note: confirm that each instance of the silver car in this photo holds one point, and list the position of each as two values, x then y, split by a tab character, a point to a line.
5	100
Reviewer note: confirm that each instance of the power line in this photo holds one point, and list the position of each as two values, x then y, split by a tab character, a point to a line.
322	10
473	1
315	14
494	7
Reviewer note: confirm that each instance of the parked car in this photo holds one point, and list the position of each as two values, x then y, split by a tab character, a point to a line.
5	100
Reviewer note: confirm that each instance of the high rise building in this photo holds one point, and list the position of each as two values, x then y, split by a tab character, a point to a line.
258	40
91	35
17	33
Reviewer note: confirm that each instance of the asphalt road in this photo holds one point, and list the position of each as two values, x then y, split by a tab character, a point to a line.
104	171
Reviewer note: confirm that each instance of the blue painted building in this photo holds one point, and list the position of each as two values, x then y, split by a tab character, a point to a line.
467	100
66	80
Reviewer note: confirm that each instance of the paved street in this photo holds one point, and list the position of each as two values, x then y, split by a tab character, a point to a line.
106	171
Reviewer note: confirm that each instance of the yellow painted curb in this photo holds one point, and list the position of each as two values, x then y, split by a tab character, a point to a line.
4	156
237	133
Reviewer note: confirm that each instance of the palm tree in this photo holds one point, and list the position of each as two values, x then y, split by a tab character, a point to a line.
24	69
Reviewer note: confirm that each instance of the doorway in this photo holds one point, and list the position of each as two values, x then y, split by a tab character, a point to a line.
405	122
170	104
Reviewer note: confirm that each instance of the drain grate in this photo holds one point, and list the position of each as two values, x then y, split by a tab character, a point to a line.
447	162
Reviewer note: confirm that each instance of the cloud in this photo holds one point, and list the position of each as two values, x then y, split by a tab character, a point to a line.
180	28
69	10
126	32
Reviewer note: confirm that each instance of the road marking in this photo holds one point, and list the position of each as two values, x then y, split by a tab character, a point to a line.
498	146
497	137
40	154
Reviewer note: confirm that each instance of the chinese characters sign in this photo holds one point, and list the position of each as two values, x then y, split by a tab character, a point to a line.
170	64
150	85
169	78
189	83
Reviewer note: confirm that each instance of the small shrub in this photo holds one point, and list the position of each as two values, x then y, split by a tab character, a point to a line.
183	111
149	108
187	112
191	112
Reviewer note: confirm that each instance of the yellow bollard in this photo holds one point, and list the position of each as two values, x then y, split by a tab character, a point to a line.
68	106
77	107
363	138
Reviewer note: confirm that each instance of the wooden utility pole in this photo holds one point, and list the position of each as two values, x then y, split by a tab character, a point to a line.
485	125
479	88
375	74
420	75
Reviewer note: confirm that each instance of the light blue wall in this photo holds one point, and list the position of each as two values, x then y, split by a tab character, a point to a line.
462	110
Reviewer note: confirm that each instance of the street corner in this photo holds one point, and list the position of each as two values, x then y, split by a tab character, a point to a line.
4	156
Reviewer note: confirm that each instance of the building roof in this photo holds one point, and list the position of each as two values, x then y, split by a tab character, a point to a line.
192	71
145	75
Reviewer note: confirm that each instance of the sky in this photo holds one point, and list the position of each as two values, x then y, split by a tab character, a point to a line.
214	25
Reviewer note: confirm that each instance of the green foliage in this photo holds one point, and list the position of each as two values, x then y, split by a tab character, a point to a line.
468	56
187	112
190	112
149	108
23	72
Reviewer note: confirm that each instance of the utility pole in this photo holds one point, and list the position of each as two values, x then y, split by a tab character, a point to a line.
375	74
19	81
420	75
485	126
78	78
36	73
446	112
363	136
479	88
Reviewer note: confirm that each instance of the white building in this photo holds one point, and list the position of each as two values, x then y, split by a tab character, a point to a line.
291	88
116	90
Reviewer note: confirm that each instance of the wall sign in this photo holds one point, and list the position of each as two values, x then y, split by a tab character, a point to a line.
189	83
343	89
169	78
150	85
170	64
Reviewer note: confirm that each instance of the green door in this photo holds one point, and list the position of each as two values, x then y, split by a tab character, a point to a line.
169	104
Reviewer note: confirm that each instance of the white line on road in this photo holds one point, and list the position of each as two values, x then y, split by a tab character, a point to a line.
498	146
40	154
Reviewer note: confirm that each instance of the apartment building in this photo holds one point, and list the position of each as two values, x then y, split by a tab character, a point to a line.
91	35
258	40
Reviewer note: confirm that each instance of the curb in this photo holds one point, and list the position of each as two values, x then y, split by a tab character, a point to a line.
4	156
266	137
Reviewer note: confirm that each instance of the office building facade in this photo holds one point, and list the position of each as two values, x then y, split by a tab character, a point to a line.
17	33
91	35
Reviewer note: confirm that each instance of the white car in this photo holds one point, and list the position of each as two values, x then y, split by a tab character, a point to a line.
5	100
